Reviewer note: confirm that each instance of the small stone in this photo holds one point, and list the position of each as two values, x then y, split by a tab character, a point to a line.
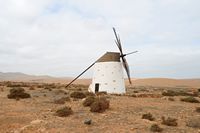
88	121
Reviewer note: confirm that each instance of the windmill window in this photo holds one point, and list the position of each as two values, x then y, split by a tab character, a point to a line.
114	88
102	75
114	80
106	83
112	72
98	70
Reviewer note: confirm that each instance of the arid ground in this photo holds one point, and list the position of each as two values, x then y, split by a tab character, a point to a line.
37	114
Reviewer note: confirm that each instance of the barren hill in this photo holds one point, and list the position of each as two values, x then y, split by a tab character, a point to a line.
159	82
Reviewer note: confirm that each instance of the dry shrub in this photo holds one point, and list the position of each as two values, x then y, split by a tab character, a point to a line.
17	93
193	122
148	116
61	100
156	128
99	105
198	109
149	95
169	121
101	93
64	111
132	95
89	93
178	93
88	101
32	88
171	99
77	94
190	100
47	88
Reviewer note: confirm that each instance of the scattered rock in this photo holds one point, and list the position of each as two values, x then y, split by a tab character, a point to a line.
169	121
148	116
77	94
17	93
99	105
87	121
156	128
64	111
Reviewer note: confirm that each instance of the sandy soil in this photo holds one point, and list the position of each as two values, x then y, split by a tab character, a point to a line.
36	114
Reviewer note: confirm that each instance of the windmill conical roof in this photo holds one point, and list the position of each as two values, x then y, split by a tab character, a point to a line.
110	57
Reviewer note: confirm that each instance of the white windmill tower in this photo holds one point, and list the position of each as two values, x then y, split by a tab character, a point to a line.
108	71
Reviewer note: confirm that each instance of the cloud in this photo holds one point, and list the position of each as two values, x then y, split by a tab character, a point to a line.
61	38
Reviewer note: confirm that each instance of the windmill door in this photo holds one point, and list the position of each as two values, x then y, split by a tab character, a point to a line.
96	87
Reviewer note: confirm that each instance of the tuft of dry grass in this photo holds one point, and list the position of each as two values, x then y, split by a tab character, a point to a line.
156	128
77	94
198	109
101	93
148	116
171	99
17	93
87	93
61	100
99	105
169	121
190	100
88	101
32	88
193	122
64	111
178	93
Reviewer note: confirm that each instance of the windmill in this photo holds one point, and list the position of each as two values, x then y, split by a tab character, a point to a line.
108	71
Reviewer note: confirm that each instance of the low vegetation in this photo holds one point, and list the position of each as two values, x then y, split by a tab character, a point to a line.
156	128
148	116
190	100
169	121
193	122
88	101
77	94
178	93
17	93
64	111
99	105
198	109
61	100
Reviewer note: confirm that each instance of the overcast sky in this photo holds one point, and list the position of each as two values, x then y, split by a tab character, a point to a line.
62	37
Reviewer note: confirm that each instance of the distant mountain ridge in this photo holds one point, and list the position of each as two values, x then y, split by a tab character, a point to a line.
15	76
159	82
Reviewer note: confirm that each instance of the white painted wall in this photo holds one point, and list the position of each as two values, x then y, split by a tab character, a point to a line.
110	77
